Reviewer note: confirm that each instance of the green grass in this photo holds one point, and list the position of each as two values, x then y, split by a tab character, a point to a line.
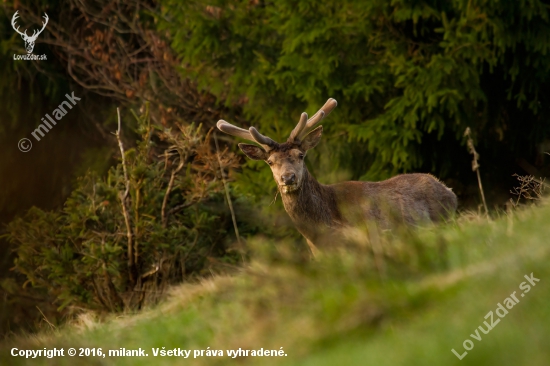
420	296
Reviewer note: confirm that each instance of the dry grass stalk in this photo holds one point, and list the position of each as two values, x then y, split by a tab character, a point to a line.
228	196
475	165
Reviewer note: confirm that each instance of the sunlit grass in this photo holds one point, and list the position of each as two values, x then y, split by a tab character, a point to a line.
388	299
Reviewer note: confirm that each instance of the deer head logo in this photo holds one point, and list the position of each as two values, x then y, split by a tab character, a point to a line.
29	40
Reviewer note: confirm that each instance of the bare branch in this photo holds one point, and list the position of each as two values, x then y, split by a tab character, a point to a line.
123	196
164	217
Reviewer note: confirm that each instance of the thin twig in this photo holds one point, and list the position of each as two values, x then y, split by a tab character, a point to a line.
126	180
123	196
180	207
530	188
46	319
164	217
230	204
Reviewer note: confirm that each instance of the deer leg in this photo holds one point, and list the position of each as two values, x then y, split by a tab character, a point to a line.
313	248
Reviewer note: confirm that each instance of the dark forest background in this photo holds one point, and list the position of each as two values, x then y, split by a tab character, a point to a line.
409	76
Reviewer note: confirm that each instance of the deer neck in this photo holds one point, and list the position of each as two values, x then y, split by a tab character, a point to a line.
311	205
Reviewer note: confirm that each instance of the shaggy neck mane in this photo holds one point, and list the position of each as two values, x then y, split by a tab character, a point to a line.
312	203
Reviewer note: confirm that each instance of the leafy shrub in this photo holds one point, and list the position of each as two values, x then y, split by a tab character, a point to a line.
156	219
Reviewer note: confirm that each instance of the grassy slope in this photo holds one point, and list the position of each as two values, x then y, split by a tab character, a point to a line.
410	306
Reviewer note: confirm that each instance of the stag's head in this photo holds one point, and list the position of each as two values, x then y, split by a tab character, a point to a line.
29	40
286	159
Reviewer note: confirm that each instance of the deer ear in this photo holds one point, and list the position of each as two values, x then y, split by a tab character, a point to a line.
312	138
253	152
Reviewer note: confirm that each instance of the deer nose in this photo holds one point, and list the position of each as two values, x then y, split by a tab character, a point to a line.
289	178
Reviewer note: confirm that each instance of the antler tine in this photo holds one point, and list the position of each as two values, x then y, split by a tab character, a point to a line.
265	141
299	128
229	129
317	117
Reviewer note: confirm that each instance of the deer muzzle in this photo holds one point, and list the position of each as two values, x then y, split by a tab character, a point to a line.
289	183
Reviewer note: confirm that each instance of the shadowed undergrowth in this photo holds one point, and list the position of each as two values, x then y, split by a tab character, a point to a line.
393	299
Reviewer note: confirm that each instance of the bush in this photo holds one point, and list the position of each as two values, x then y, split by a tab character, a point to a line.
156	219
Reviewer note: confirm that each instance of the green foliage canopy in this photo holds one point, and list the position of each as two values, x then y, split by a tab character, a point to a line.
410	75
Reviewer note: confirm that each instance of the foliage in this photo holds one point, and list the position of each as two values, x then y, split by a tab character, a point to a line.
410	76
156	219
112	49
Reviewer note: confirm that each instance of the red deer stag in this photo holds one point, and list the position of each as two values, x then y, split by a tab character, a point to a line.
321	211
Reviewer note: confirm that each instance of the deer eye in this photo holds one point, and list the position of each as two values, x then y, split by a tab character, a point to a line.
270	162
301	156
